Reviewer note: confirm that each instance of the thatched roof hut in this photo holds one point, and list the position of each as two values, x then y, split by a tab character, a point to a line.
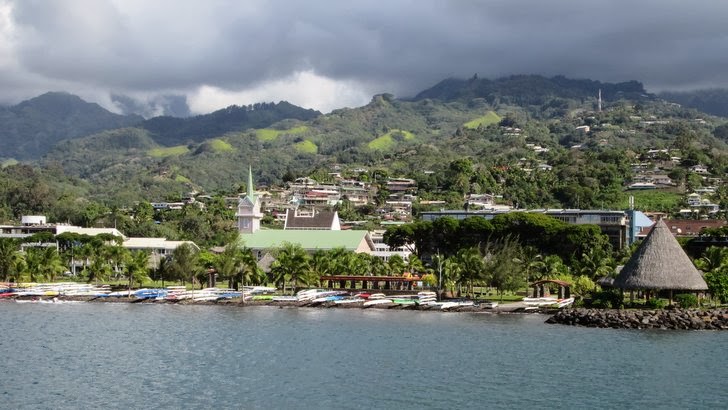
660	263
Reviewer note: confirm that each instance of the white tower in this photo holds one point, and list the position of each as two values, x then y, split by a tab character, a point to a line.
599	101
249	214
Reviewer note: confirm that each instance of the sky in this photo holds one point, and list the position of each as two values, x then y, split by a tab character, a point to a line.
169	56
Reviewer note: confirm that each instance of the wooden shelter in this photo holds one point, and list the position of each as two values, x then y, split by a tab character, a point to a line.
660	263
541	288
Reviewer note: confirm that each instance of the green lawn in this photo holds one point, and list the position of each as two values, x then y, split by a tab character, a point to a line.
389	140
168	151
269	134
489	118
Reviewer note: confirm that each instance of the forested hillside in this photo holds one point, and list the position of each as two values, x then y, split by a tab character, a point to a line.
549	148
29	129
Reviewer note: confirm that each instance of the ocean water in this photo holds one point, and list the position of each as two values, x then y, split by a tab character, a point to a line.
166	356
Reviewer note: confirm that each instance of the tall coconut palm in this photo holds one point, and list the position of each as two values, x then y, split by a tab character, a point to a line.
451	273
472	268
292	263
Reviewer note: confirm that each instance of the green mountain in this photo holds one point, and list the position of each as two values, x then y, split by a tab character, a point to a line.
407	138
28	130
714	101
529	90
174	131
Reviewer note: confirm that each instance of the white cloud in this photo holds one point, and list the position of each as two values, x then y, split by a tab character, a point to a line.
305	89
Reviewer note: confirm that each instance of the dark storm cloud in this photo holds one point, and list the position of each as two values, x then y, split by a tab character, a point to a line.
399	46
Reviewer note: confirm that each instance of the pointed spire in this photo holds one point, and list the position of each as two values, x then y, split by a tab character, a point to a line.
250	182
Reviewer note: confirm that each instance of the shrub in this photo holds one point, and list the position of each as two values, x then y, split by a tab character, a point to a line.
655	303
607	299
687	301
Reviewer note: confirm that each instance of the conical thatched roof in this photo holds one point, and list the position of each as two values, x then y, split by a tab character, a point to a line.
660	263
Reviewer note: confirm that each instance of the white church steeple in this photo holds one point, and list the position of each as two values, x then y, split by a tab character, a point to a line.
249	214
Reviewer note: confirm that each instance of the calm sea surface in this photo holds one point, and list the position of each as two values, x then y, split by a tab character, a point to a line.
166	356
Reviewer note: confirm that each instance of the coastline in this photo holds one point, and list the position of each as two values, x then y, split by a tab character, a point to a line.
509	308
666	319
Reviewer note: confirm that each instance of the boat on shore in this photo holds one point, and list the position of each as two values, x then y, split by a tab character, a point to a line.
547	301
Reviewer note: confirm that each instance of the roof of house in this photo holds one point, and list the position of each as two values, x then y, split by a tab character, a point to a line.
660	263
309	240
155	243
689	227
317	220
87	231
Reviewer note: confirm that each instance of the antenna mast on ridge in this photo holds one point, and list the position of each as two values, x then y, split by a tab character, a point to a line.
599	101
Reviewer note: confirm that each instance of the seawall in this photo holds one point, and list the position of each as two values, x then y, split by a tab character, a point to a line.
686	319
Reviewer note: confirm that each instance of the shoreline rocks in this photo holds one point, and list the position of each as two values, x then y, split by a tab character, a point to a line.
674	319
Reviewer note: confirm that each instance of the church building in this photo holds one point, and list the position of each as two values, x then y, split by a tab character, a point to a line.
318	231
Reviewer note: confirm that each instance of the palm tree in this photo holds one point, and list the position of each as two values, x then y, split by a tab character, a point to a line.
360	264
137	267
414	264
117	255
712	259
228	263
291	263
34	264
250	272
396	264
185	263
472	268
320	264
51	264
451	273
100	268
378	266
10	258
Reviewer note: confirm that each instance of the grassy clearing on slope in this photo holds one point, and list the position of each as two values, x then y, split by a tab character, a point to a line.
219	145
489	118
390	139
653	200
9	162
168	151
306	147
269	134
182	179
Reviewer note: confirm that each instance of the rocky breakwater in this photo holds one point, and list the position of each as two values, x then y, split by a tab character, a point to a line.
686	319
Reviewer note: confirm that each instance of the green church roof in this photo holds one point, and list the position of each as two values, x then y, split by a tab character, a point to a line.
308	239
